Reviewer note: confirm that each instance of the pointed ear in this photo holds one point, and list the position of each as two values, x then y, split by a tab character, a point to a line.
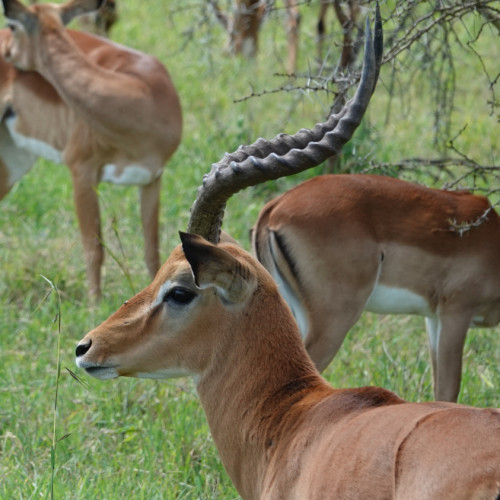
214	267
74	8
16	12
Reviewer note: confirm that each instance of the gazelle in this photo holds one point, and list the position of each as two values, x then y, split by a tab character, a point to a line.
341	244
109	112
215	313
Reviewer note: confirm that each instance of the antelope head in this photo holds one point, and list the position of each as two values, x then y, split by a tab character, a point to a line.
207	288
26	23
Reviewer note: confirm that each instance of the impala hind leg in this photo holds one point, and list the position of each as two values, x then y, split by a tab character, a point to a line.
150	204
328	330
446	334
87	211
336	295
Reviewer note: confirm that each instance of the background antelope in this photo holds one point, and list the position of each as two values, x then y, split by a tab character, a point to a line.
109	112
244	24
215	313
341	244
101	21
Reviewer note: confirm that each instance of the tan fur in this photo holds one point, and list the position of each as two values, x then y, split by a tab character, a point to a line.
281	430
99	22
343	234
97	103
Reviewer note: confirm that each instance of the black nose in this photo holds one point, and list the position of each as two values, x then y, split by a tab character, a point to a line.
82	348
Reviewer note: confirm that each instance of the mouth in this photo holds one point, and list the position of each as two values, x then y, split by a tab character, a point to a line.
102	372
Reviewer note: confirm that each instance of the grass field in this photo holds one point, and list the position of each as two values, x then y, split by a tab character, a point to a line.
142	439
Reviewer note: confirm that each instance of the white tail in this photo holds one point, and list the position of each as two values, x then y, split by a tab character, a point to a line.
214	312
110	113
341	244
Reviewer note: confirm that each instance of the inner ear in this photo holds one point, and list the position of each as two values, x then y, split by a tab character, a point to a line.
74	8
214	267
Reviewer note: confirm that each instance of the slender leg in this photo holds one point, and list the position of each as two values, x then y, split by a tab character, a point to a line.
449	339
5	186
150	203
87	211
292	34
433	327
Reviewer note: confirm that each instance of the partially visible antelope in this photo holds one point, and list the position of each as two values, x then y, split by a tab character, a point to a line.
213	312
109	112
341	244
100	21
348	20
244	24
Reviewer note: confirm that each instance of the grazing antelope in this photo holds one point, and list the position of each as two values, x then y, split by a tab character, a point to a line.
214	312
109	112
341	244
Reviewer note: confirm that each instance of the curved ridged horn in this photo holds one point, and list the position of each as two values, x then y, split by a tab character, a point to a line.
286	154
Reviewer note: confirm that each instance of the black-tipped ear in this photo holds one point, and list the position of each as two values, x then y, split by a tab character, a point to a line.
15	11
192	246
214	267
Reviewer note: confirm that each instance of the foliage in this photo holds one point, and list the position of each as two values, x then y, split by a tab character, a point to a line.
144	439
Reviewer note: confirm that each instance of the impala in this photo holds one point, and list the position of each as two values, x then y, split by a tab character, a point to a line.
109	112
244	24
282	432
101	21
341	244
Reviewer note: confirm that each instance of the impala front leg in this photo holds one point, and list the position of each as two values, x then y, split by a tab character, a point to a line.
150	203
87	211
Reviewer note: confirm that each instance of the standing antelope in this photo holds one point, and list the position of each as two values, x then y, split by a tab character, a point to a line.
348	22
215	313
243	26
109	112
341	244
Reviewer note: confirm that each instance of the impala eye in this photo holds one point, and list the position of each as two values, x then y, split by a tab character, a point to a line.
179	295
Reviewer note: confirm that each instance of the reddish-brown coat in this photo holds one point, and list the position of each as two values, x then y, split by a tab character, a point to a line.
335	238
282	432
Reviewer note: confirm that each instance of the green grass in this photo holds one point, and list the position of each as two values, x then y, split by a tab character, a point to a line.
144	439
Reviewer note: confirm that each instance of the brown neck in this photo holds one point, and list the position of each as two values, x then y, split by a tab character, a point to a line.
250	389
83	85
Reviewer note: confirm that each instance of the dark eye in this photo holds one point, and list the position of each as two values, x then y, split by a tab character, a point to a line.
179	295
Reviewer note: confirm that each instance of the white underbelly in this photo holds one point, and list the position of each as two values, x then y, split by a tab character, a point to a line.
389	300
135	175
31	144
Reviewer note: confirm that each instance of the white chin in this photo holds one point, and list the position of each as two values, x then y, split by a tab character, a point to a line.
102	373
